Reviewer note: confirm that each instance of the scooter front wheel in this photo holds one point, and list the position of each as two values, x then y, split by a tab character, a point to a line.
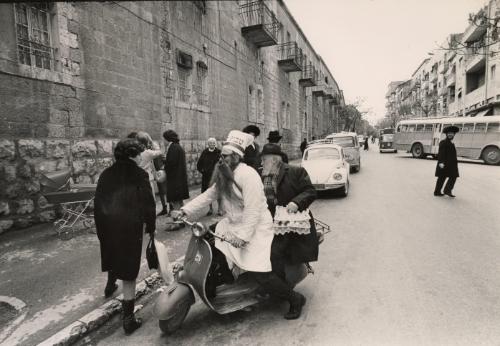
173	323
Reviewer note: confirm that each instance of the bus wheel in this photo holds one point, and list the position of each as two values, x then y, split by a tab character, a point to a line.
491	155
417	151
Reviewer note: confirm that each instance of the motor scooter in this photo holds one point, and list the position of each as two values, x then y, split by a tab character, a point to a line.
173	304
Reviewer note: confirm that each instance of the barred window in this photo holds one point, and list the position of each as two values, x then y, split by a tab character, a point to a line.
33	24
200	86
184	91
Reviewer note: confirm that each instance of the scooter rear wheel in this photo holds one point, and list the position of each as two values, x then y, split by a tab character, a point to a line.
172	324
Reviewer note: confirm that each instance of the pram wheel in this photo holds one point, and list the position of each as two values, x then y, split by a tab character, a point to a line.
65	234
88	223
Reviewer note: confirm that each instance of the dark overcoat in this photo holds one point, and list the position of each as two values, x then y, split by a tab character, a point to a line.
294	185
123	203
447	154
175	169
206	164
252	156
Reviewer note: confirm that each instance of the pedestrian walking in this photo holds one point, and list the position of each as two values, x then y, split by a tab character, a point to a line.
151	152
175	168
252	151
365	146
274	137
123	204
205	165
303	146
447	165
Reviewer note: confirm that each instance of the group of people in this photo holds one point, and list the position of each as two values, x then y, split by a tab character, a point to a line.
246	182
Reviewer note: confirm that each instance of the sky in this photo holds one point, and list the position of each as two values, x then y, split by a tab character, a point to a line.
369	43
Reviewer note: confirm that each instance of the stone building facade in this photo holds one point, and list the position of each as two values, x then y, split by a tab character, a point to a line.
459	78
77	77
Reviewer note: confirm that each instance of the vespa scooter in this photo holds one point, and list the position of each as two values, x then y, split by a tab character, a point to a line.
174	302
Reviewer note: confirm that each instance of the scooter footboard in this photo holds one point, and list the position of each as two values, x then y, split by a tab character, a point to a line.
173	301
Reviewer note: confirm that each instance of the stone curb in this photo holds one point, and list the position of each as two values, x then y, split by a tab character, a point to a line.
99	316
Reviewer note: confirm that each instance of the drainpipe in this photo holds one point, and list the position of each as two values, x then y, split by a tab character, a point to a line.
486	50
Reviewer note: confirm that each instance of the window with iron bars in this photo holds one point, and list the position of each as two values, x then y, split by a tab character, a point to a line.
200	87
183	90
34	42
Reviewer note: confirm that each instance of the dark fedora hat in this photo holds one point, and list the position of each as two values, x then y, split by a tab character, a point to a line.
272	149
274	135
452	128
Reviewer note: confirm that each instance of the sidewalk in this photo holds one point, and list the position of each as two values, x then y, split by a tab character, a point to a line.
48	283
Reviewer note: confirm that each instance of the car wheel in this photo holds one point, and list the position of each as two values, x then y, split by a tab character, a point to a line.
345	191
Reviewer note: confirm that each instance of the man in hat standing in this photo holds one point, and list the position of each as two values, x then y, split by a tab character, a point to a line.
274	137
303	146
252	151
447	166
205	165
248	226
175	169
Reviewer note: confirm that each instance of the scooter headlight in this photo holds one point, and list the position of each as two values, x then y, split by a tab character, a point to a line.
198	229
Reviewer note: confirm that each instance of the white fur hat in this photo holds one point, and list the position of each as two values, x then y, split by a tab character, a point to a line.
237	141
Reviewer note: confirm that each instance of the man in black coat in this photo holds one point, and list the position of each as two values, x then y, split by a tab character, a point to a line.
303	146
123	204
252	152
175	169
275	137
206	164
290	187
447	166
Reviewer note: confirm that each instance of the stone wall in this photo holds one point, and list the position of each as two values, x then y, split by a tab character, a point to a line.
25	160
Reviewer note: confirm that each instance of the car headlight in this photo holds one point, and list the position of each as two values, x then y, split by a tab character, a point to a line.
337	176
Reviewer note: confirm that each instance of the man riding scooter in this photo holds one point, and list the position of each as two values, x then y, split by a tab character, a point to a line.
248	225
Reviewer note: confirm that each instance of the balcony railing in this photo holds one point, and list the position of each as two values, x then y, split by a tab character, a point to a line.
308	76
476	54
260	24
290	57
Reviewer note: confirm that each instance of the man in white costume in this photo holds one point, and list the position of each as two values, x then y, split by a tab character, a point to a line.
247	226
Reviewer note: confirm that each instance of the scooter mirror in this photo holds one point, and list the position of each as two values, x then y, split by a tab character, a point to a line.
198	229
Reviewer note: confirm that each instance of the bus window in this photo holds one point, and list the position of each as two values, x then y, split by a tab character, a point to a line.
468	127
493	127
428	128
480	127
420	127
398	129
411	128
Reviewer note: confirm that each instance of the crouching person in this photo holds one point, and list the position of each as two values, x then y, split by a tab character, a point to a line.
248	223
123	204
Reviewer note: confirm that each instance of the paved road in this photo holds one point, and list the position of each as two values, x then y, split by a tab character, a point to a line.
402	267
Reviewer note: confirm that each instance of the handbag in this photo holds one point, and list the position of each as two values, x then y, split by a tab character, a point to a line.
160	176
151	254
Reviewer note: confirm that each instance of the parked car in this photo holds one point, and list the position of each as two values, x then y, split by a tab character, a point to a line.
327	167
348	141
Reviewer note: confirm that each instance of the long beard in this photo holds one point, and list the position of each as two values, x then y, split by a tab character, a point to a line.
270	166
223	178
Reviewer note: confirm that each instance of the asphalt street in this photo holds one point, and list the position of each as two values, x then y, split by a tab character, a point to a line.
401	267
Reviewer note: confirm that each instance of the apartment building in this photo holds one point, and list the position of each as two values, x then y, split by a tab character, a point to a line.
75	77
459	78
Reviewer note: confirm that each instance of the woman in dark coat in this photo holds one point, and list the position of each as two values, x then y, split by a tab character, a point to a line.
295	191
123	204
175	169
447	165
206	164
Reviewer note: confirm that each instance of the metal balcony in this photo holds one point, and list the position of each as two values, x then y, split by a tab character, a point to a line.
290	57
451	79
260	24
308	76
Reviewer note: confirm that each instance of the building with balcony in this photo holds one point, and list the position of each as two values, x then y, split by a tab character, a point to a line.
459	78
75	77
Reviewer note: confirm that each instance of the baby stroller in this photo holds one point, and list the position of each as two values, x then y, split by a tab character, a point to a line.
74	199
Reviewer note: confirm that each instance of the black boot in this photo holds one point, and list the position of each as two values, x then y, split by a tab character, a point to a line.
130	323
111	285
296	304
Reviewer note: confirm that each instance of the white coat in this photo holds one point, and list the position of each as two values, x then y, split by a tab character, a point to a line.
248	219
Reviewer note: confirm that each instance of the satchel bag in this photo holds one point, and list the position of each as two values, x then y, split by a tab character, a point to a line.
151	254
160	176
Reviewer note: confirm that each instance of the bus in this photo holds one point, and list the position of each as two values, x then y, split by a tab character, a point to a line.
478	138
386	140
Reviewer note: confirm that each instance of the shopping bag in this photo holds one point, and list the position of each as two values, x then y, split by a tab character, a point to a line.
164	268
151	254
